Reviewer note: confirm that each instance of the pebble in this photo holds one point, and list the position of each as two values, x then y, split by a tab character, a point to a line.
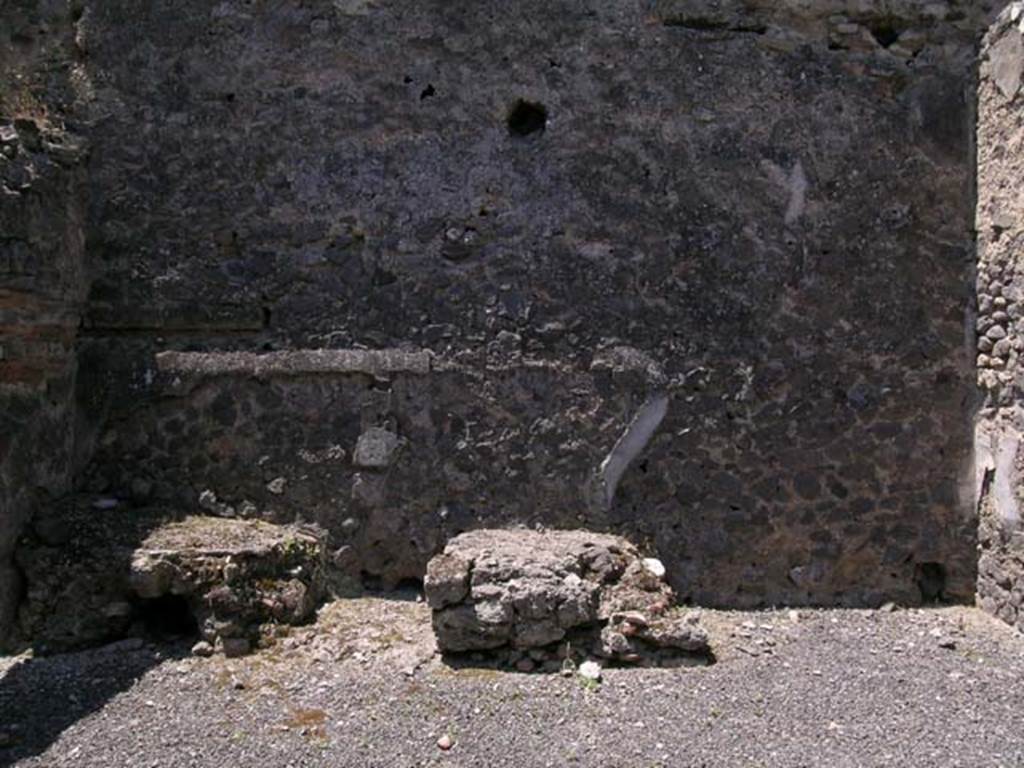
203	648
445	742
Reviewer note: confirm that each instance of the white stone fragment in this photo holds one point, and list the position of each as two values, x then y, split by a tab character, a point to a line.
590	670
375	448
655	566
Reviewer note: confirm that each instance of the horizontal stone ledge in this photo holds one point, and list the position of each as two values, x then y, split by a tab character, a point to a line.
373	362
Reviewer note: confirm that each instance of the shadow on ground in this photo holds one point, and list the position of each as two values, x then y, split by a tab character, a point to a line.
40	698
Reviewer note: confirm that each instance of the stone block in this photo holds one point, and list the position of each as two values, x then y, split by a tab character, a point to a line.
523	590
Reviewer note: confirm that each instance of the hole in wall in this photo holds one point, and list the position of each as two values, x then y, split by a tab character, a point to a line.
168	617
382	277
373	582
427	92
931	581
409	584
527	118
885	32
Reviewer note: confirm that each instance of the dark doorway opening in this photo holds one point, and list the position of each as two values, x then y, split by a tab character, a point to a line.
168	617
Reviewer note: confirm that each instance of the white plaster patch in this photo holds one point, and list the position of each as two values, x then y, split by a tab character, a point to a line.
1002	484
633	441
797	193
794	184
995	457
1007	57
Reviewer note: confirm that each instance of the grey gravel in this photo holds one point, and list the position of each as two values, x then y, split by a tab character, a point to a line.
807	688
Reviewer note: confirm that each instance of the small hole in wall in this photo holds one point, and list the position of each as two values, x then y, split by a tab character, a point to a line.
931	581
229	97
885	33
427	92
371	581
410	585
267	315
526	118
168	617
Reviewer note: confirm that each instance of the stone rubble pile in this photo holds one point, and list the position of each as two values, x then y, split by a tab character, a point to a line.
101	572
238	576
532	597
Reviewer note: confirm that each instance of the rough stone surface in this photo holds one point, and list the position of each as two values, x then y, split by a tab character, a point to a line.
237	575
504	238
42	294
784	261
999	474
91	578
525	590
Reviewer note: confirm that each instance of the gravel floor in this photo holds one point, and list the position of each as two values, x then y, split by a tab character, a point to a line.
362	687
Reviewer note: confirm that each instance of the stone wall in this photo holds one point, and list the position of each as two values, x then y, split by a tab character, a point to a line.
1000	293
699	273
759	212
42	278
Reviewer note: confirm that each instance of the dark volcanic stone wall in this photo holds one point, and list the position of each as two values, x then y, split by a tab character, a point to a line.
760	210
1000	294
42	277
